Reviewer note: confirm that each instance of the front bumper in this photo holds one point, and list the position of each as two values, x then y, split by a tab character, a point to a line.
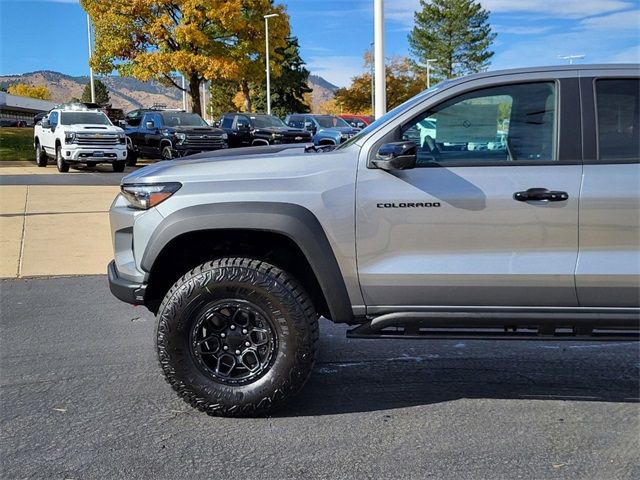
123	289
88	154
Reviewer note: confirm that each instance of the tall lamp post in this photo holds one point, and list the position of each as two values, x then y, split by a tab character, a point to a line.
429	62
266	43
380	80
93	87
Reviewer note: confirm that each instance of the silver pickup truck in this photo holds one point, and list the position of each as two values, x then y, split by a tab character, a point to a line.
402	231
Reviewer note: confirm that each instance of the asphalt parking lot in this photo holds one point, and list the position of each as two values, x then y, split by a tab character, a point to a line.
82	398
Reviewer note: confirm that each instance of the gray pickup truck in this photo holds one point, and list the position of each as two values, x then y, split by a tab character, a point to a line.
403	231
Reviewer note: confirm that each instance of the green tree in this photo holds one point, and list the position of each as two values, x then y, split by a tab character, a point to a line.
287	89
102	93
456	33
403	82
222	94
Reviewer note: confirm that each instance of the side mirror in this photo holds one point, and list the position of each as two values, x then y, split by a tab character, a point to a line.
122	124
150	125
309	126
244	127
45	123
396	156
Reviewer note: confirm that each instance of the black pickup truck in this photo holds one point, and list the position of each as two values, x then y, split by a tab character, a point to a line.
250	129
168	134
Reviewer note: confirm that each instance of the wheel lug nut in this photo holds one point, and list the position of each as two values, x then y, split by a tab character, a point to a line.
245	331
237	352
225	348
232	327
222	335
247	344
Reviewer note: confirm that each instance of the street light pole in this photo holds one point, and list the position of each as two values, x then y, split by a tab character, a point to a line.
93	87
429	62
380	76
266	43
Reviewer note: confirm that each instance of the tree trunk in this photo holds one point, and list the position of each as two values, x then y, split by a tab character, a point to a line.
244	85
194	93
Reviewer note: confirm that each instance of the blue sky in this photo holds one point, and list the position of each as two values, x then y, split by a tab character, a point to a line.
333	34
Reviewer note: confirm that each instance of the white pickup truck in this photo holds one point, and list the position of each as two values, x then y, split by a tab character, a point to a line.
75	134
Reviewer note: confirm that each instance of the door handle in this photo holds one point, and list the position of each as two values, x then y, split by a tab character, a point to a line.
538	194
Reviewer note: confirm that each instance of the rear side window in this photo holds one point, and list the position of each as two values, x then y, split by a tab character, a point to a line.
227	121
510	123
618	104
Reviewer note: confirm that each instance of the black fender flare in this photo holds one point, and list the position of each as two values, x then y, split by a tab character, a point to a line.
294	221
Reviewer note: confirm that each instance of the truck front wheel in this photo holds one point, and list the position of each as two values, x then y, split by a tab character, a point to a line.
41	155
236	337
63	166
167	152
119	166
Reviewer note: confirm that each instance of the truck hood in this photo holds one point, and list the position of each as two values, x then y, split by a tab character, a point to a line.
238	164
197	130
346	130
82	127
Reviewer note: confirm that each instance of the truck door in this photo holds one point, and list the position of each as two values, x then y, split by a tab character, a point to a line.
491	225
242	128
48	134
152	135
608	270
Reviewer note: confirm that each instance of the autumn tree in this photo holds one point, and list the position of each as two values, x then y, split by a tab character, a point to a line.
403	82
158	39
456	33
101	91
32	91
290	89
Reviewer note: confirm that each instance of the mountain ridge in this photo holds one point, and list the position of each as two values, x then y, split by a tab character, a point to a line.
128	93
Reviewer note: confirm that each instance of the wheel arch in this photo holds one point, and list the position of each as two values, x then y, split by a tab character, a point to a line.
268	226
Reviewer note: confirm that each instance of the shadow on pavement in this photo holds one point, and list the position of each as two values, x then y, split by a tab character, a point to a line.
536	371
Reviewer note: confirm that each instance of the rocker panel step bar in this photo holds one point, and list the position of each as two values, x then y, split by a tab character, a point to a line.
503	326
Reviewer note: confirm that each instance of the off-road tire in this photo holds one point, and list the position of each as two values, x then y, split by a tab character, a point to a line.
41	155
63	167
119	165
259	284
167	152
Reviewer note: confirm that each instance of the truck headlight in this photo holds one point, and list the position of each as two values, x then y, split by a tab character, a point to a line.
181	137
69	137
225	136
146	196
276	135
122	138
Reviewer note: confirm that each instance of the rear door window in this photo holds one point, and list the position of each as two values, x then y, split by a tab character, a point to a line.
618	105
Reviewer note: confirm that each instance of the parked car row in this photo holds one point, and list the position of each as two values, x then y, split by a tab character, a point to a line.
161	133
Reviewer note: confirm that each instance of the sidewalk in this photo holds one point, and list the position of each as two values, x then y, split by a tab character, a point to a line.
54	230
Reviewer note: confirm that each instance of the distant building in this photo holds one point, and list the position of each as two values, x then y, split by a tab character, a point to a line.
15	108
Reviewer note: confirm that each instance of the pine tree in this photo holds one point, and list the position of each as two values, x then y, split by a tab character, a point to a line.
102	94
456	33
288	89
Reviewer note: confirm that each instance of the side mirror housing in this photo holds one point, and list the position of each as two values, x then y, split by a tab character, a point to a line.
45	123
396	156
149	125
309	126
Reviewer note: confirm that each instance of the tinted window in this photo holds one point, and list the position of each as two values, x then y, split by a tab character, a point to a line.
266	121
618	103
296	121
330	121
241	120
89	118
53	119
506	123
227	122
183	119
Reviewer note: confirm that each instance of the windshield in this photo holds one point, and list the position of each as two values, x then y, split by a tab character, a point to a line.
87	118
183	119
329	121
393	113
266	121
